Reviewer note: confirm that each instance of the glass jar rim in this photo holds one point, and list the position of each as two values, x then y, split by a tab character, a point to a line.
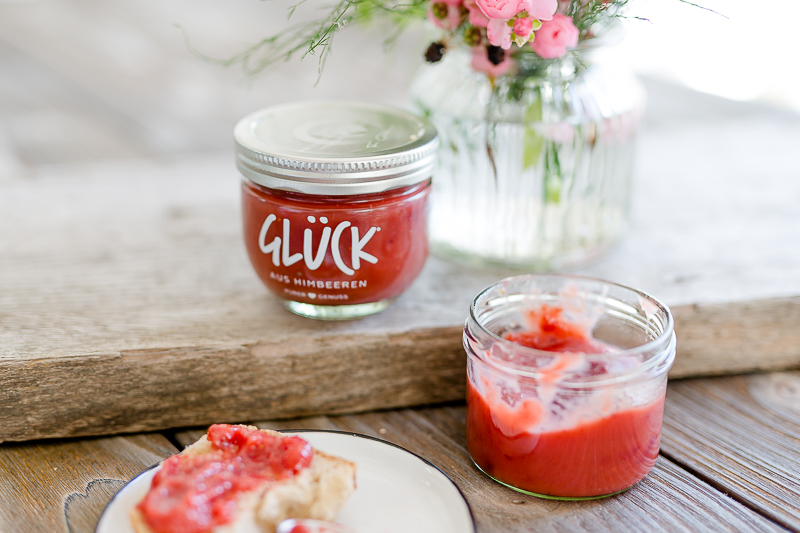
661	343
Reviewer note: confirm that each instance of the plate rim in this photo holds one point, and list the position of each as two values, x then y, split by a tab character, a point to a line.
308	430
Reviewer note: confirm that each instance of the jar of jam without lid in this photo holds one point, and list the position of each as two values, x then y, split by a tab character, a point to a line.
566	379
334	201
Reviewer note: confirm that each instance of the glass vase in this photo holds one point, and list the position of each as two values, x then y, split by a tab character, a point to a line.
534	167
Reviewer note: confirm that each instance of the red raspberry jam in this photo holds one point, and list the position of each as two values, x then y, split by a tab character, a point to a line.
195	493
334	201
553	411
594	458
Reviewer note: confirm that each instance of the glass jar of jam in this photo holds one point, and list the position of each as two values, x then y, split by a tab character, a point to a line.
566	383
334	201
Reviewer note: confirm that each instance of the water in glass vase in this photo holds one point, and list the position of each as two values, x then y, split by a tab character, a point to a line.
534	168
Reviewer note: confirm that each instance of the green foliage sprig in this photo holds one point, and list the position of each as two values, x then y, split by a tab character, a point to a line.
315	37
587	14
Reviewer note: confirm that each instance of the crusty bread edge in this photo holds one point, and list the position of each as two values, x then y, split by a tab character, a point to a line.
138	521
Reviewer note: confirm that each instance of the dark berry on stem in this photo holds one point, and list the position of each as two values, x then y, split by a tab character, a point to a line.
439	10
495	54
472	36
435	52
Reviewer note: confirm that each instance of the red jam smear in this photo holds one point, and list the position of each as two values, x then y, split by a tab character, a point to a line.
550	332
596	457
391	246
193	494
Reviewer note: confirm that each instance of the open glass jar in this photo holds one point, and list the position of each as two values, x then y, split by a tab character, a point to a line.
566	384
334	202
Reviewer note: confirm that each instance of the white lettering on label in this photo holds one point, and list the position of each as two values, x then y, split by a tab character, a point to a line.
312	262
275	246
279	277
319	284
337	258
280	247
288	260
358	246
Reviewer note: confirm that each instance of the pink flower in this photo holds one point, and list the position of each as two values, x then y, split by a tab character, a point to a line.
555	37
476	16
506	9
502	9
499	33
481	63
452	19
523	27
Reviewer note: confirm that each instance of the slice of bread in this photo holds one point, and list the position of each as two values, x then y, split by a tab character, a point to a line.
318	491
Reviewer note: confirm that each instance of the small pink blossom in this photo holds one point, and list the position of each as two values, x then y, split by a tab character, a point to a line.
499	33
481	63
542	9
523	26
555	37
478	19
451	21
560	132
476	16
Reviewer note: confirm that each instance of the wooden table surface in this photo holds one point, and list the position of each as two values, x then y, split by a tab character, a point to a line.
730	461
116	173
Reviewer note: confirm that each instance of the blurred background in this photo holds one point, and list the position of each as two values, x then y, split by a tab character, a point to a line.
737	49
88	80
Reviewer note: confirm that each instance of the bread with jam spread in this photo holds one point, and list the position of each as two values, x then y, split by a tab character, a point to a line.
317	491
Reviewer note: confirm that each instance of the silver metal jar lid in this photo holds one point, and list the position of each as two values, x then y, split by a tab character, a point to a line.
335	148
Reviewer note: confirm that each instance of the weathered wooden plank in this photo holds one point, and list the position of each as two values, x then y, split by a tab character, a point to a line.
98	294
180	387
737	337
139	264
63	486
294	376
741	434
669	499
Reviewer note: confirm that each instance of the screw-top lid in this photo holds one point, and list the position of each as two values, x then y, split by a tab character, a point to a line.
335	148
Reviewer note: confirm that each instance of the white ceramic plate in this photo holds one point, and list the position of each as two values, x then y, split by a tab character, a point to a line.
397	491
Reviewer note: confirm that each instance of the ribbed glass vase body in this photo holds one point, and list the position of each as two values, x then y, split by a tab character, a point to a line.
534	169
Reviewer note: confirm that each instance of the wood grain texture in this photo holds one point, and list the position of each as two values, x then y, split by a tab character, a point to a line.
669	499
63	486
742	434
289	376
153	298
737	337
